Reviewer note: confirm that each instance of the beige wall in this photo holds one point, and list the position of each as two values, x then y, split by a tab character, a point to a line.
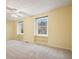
59	28
28	29
41	40
10	30
20	37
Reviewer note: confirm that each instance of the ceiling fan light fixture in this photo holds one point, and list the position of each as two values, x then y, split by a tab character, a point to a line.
15	16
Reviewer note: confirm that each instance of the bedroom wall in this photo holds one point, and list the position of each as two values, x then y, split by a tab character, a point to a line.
28	29
19	37
10	30
59	28
41	40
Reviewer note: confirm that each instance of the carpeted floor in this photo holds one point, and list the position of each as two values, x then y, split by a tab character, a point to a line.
21	50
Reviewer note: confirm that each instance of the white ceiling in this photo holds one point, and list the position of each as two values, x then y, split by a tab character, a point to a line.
33	7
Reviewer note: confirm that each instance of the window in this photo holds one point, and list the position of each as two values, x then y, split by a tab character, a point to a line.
41	26
20	27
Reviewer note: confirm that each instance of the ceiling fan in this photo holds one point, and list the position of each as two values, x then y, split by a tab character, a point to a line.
15	13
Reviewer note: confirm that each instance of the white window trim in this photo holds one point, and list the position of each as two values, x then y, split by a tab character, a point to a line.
36	29
19	30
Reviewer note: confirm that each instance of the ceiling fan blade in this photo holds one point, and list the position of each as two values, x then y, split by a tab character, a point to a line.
9	8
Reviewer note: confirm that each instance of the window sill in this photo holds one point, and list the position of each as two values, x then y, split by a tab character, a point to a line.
21	34
41	36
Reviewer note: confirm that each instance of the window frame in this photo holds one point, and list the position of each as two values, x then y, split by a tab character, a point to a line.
19	27
36	27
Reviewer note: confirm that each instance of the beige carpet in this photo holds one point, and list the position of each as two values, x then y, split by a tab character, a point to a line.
21	50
